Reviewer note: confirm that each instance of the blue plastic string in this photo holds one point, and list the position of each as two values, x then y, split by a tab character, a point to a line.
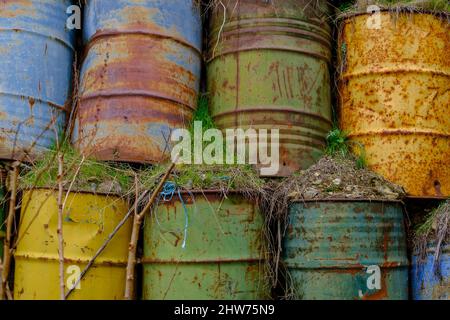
167	195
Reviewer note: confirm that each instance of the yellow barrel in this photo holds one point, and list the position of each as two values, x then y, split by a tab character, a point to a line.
395	96
88	221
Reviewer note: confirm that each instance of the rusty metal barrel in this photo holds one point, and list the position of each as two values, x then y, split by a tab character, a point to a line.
203	246
269	69
431	277
89	219
36	57
395	96
140	77
347	250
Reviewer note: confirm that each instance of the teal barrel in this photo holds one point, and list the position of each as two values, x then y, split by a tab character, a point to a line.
205	247
343	250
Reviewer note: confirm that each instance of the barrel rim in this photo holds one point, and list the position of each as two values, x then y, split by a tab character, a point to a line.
75	192
345	200
23	255
342	17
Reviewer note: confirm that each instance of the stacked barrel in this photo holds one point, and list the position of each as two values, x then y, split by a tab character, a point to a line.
35	83
203	245
394	81
394	85
140	78
269	68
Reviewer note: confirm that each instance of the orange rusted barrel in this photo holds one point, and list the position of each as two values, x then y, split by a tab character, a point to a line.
395	96
140	77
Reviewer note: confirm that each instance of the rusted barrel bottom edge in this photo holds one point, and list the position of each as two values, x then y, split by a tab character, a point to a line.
426	197
221	53
397	265
384	71
218	261
41	35
35	100
134	94
75	191
270	109
400	132
108	33
361	200
102	263
395	9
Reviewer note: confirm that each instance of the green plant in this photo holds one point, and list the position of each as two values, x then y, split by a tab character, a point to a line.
337	143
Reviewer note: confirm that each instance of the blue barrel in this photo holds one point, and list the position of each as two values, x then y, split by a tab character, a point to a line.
346	250
431	281
140	78
36	57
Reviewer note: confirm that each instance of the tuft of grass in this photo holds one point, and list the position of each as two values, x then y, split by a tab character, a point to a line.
337	143
203	115
87	174
435	232
204	177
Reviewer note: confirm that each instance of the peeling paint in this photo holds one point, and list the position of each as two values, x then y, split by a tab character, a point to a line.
328	257
140	78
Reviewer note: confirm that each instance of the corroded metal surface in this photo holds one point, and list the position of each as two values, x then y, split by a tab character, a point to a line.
140	77
224	251
330	245
430	280
270	70
36	56
88	221
395	98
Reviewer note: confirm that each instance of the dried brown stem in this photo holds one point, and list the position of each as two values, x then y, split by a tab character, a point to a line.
137	222
103	247
14	174
60	226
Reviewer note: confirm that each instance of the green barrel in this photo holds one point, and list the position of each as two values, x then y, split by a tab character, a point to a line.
339	250
269	68
206	247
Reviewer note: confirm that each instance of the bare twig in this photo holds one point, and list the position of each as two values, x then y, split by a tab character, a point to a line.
14	174
103	247
138	219
60	225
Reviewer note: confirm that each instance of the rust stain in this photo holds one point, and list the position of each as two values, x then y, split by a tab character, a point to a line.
139	87
395	98
273	65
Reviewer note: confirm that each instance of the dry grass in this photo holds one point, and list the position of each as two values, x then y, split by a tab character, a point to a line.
434	233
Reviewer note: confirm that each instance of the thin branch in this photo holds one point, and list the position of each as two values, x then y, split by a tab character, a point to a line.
14	174
103	247
60	226
138	219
